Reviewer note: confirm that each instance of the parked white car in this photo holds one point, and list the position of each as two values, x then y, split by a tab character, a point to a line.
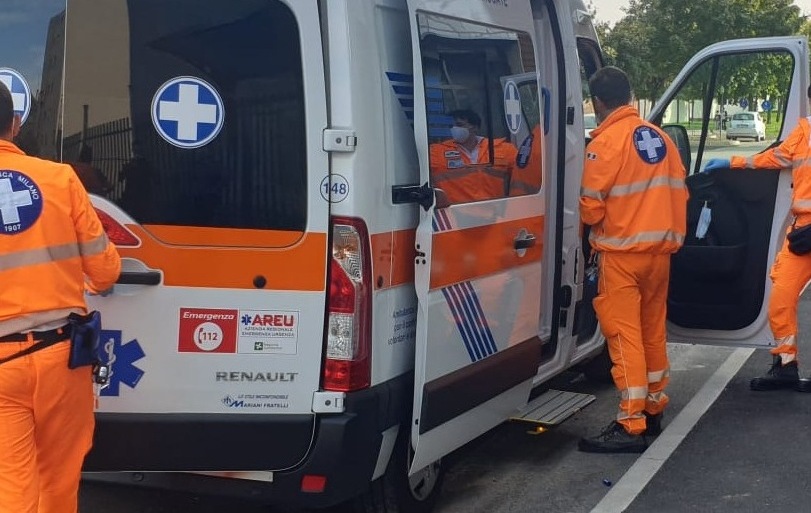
589	123
746	125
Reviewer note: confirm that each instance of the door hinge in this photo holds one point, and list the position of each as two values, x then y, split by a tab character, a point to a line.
340	139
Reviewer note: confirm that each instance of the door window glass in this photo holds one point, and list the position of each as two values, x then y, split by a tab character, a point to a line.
32	40
732	104
590	62
484	123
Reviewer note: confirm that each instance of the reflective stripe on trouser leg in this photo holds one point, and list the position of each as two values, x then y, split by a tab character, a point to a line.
657	400
790	273
46	428
617	308
653	291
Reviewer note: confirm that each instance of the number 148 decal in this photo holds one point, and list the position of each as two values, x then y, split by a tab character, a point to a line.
334	190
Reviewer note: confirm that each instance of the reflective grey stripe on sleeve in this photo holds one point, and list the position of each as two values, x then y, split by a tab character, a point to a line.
657	376
53	253
94	246
641	186
632	393
802	203
661	236
782	160
590	193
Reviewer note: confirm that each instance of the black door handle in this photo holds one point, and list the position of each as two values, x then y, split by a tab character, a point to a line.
139	278
525	243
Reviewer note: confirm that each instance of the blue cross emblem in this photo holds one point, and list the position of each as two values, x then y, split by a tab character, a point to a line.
121	357
20	202
187	112
20	92
649	145
512	107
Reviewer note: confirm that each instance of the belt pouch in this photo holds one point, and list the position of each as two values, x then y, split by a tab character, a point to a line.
84	340
799	240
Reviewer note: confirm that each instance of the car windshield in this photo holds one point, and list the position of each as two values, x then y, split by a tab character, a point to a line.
744	116
590	121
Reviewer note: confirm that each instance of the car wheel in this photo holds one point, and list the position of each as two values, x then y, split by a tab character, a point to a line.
396	492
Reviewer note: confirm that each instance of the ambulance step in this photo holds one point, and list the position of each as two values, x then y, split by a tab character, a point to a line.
553	407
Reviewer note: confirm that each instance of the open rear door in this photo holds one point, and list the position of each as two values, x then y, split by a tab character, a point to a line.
720	282
479	246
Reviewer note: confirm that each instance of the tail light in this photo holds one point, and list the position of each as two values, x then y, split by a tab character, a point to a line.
347	361
115	231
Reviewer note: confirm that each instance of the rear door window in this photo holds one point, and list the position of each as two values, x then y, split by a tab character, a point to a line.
185	113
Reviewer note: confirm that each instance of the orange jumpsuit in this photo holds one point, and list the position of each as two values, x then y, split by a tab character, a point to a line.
790	272
527	174
633	194
51	241
463	180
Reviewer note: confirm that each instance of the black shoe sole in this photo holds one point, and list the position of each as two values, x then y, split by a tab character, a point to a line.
769	385
585	446
803	385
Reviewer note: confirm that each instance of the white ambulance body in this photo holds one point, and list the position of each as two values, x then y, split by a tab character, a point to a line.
300	316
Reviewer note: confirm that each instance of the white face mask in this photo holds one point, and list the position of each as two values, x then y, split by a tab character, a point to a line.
460	134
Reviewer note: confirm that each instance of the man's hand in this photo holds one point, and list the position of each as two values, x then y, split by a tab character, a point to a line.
714	164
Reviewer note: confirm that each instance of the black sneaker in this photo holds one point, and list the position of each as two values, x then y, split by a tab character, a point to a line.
613	438
803	385
779	376
653	424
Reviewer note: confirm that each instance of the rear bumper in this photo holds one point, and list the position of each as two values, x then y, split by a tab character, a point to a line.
343	448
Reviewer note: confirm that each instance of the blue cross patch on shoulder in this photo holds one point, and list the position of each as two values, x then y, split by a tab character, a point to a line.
649	145
20	202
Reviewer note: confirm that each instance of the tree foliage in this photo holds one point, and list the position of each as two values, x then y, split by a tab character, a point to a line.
657	37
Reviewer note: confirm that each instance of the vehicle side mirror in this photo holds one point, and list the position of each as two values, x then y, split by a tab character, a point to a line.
678	134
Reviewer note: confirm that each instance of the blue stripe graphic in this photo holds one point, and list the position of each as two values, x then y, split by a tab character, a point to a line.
464	329
482	320
399	77
404	90
464	306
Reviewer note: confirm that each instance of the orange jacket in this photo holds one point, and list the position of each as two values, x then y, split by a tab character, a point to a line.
793	153
464	181
633	190
527	178
50	240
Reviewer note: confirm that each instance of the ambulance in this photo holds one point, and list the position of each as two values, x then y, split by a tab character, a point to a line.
303	317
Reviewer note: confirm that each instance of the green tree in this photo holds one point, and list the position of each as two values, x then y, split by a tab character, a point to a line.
657	37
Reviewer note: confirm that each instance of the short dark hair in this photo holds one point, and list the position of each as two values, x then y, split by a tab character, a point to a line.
6	109
611	86
468	115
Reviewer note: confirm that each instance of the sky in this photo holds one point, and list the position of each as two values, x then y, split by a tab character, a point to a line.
611	10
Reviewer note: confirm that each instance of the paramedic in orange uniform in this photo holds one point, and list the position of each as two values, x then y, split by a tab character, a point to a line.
461	165
634	197
790	272
52	247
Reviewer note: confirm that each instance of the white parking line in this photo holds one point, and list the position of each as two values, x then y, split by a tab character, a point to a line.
642	471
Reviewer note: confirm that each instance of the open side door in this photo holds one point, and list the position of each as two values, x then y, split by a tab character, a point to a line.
720	282
479	245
